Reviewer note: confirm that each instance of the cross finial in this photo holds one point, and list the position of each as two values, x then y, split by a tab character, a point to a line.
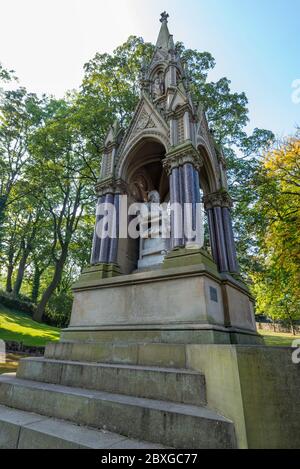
164	17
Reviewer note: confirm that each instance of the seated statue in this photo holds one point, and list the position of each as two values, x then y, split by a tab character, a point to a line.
153	247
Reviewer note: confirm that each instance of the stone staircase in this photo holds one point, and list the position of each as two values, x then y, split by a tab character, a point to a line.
83	395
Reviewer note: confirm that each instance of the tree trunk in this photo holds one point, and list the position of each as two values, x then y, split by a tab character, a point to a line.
291	322
293	328
3	199
20	274
36	284
10	270
40	311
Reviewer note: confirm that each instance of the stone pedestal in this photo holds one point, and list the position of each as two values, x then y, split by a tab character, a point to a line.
184	301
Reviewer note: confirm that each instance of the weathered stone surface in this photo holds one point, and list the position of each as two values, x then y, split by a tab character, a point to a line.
175	385
256	387
170	424
11	422
24	430
161	301
199	335
166	355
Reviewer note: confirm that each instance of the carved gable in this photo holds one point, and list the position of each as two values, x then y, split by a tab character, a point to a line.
179	99
160	56
147	119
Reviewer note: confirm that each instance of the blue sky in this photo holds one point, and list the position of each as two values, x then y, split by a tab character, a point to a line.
255	44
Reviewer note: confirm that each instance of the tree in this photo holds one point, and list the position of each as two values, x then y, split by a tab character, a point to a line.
61	159
20	114
277	297
278	285
30	229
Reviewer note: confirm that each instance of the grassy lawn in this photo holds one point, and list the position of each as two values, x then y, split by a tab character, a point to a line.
278	338
19	327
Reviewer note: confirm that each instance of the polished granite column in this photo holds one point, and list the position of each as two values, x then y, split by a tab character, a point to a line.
221	233
229	240
220	239
192	199
105	236
95	256
212	235
113	248
175	179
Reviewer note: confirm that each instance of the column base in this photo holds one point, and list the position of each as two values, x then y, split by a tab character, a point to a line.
98	272
183	257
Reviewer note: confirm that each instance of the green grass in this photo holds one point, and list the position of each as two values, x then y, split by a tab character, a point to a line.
278	338
19	327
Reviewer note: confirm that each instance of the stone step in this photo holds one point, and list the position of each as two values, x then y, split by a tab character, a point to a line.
26	430
148	354
169	424
177	385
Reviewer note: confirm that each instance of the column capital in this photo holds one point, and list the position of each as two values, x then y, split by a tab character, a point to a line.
218	199
111	186
181	155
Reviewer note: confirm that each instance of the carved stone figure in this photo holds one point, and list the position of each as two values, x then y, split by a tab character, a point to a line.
152	245
139	188
158	87
153	197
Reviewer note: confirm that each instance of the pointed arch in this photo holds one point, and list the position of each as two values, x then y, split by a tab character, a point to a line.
136	145
209	174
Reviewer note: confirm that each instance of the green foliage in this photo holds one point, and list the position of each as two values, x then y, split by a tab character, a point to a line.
6	75
22	303
111	83
276	286
21	113
61	300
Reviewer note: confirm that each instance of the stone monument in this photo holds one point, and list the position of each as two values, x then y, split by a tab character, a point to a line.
162	343
167	149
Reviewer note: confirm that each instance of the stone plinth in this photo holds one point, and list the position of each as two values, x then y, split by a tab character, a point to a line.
183	304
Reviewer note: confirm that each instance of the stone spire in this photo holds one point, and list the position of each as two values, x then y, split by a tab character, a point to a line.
171	45
164	35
